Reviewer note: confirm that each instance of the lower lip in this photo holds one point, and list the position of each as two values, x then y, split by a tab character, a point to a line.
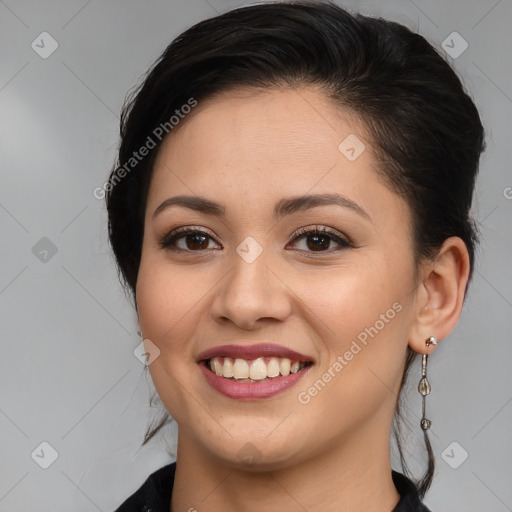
251	390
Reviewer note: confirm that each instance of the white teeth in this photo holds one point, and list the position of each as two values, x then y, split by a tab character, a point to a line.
255	370
228	367
258	369
217	367
241	369
284	366
273	367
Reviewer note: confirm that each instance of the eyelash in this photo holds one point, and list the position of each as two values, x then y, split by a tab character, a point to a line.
168	241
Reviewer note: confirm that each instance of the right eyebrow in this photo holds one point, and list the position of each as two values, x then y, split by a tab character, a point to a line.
199	204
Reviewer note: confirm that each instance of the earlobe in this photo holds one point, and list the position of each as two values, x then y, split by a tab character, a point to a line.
441	294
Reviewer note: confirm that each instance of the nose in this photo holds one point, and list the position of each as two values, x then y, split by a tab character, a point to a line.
251	294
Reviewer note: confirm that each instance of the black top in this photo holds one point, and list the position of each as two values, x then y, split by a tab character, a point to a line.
155	493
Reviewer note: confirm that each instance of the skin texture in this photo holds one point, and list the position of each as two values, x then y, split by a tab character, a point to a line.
248	150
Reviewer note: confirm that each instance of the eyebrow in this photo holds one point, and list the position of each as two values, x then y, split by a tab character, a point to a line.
284	207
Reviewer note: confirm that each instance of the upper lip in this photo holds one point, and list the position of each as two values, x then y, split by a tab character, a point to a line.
250	352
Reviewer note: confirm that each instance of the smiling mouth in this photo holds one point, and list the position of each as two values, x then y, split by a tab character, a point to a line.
254	370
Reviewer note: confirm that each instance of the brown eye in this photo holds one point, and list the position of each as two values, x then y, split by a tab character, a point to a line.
191	240
196	242
320	240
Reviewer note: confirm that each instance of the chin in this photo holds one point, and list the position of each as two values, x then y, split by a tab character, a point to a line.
256	453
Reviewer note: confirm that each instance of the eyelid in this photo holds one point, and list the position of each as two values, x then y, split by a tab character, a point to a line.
344	240
165	241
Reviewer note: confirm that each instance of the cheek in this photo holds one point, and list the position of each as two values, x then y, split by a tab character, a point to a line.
165	305
165	302
345	301
362	316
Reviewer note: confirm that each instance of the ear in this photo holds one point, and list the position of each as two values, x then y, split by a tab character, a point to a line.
440	296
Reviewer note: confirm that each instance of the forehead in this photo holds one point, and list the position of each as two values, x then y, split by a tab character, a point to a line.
256	128
246	145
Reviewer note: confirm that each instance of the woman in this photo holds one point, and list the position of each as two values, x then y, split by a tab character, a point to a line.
290	209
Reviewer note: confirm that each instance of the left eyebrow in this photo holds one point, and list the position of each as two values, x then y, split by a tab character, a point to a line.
291	205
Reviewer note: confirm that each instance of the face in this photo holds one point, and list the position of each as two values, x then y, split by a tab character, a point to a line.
286	247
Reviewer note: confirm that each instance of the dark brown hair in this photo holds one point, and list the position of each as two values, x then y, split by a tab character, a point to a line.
425	128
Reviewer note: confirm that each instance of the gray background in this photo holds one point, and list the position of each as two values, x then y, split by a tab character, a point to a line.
68	375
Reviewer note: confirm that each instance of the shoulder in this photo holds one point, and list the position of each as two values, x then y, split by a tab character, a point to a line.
409	496
154	495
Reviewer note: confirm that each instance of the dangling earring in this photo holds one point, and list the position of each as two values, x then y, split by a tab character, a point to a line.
424	385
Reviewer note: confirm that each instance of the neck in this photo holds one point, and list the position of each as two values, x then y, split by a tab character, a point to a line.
353	476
